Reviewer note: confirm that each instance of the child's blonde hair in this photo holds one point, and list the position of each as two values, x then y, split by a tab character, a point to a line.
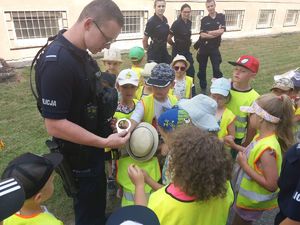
281	107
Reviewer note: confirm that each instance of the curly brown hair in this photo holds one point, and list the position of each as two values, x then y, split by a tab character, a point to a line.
199	164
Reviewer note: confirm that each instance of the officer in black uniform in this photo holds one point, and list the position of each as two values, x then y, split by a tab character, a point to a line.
74	104
181	31
289	184
211	30
157	28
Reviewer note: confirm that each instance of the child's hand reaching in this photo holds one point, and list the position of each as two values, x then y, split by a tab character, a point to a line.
242	159
229	140
136	175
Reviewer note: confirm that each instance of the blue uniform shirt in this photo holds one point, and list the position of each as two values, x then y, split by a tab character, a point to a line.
157	29
289	184
182	34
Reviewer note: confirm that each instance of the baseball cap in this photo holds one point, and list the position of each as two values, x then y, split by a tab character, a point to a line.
173	118
296	78
161	75
146	72
284	84
128	76
12	197
112	54
133	215
32	171
136	53
220	86
247	61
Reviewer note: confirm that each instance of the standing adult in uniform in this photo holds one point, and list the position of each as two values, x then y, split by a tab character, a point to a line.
157	28
181	31
66	78
211	30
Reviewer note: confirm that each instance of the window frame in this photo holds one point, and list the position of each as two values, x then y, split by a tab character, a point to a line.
296	18
271	13
239	26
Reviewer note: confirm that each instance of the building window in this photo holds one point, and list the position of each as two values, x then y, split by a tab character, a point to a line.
234	19
291	18
196	16
134	24
265	18
30	28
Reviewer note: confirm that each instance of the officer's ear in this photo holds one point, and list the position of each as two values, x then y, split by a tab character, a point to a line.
88	23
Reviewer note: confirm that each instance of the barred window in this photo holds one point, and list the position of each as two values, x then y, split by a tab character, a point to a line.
265	18
36	24
234	19
134	23
291	18
196	16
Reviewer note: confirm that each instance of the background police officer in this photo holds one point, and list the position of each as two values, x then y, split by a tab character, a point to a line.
157	28
211	30
63	78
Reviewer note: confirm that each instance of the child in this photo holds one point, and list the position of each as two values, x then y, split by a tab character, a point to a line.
136	56
283	86
220	92
152	106
260	162
112	61
246	68
183	83
126	84
199	193
145	89
35	173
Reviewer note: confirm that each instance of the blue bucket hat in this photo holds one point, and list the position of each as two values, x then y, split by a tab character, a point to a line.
202	110
161	75
220	86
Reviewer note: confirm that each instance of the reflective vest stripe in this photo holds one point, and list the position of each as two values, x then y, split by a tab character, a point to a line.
240	129
257	197
130	196
241	119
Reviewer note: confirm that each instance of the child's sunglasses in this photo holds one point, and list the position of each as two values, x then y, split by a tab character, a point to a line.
177	68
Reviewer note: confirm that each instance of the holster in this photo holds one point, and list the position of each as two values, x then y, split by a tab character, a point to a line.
64	170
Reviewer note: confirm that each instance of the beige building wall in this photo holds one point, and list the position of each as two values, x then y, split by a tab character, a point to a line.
248	11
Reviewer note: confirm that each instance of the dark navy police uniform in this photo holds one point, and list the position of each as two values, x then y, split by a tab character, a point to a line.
158	31
65	91
182	42
289	184
209	48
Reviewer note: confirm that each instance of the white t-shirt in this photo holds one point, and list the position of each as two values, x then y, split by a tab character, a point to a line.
159	108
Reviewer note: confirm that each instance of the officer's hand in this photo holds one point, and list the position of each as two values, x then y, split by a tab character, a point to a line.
118	139
136	175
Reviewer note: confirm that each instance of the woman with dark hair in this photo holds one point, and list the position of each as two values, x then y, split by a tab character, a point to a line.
181	31
157	28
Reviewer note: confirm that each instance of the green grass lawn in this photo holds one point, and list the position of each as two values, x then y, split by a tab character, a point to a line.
22	129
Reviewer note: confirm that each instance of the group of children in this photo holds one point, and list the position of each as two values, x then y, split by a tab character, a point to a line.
234	136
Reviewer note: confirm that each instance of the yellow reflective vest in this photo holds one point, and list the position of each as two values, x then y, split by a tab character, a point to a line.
238	99
227	118
44	218
152	168
148	103
171	211
138	71
188	87
251	195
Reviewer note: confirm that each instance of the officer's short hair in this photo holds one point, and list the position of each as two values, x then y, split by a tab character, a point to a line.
102	11
155	2
209	1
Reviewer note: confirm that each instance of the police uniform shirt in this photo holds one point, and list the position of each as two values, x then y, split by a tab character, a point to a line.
182	33
289	184
64	87
157	29
208	24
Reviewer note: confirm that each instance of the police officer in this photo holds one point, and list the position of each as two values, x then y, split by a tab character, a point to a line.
66	83
211	30
181	31
157	28
289	184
